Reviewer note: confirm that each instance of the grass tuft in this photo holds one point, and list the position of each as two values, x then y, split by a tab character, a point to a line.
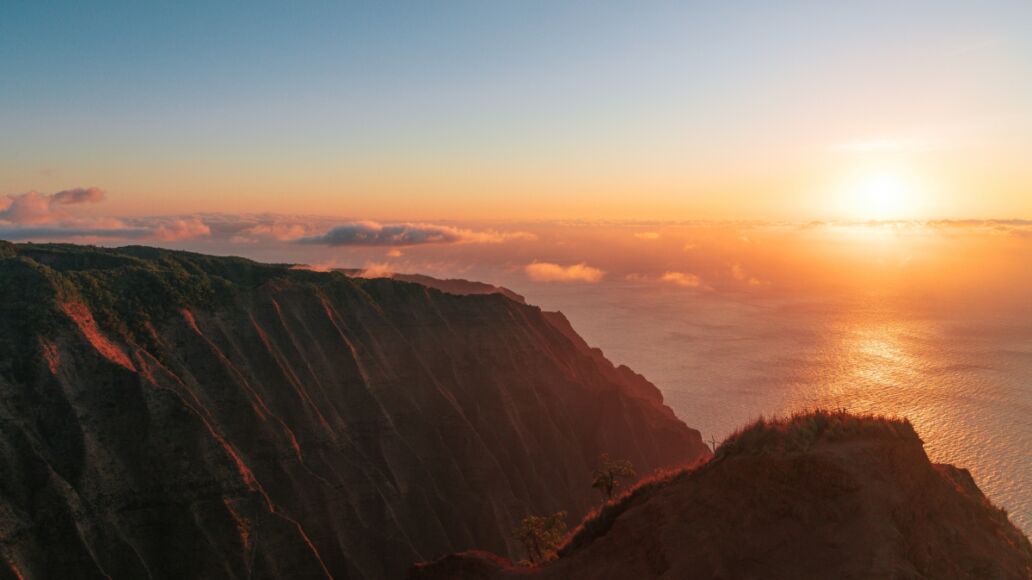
801	430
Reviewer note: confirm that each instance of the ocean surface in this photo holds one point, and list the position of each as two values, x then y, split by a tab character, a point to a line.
964	378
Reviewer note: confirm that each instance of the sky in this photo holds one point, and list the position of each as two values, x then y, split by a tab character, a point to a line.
434	111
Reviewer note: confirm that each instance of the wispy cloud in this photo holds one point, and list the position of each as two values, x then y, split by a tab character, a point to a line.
739	274
549	272
647	235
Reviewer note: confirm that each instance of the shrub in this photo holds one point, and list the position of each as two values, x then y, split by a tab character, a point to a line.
606	477
541	535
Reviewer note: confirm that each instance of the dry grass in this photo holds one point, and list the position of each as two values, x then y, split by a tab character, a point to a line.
597	522
794	433
800	431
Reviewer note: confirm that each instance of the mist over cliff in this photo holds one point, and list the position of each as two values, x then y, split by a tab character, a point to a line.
172	415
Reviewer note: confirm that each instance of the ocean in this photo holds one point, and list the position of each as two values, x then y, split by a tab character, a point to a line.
964	379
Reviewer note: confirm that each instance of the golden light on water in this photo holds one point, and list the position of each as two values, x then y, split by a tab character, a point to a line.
878	354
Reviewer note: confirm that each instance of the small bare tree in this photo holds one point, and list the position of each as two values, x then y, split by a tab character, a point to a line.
606	477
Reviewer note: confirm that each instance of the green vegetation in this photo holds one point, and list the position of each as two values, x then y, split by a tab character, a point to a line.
606	477
541	535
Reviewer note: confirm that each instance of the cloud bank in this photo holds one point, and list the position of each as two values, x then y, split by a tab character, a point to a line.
33	207
181	229
370	233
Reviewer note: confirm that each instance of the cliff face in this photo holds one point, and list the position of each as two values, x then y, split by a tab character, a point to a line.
173	415
820	496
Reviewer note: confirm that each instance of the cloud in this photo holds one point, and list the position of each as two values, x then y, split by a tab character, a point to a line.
158	228
739	273
647	235
1021	228
61	232
682	279
33	207
181	229
549	272
370	233
23	216
78	195
283	231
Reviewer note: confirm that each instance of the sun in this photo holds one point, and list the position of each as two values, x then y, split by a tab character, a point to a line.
881	195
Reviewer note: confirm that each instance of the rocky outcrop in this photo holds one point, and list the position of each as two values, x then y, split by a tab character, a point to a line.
173	415
823	495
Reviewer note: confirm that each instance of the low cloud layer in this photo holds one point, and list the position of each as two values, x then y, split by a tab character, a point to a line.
549	272
44	232
369	233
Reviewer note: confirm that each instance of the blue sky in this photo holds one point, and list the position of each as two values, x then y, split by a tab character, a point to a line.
669	103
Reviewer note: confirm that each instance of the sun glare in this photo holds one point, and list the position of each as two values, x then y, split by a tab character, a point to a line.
881	195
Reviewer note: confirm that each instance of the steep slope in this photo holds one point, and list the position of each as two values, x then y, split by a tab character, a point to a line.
824	495
173	415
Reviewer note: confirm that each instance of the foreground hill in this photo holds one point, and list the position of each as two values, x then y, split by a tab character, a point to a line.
173	415
824	495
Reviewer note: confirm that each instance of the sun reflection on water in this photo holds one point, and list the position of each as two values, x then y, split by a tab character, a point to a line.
931	322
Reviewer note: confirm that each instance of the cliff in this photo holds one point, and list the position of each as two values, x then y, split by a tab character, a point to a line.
822	495
449	285
173	415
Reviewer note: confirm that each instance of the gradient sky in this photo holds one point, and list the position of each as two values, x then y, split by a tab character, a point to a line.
526	110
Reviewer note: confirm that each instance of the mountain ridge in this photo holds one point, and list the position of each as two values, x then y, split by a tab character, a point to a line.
169	414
